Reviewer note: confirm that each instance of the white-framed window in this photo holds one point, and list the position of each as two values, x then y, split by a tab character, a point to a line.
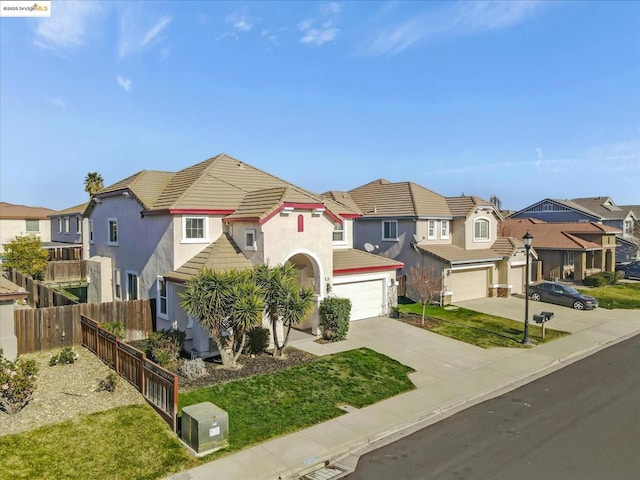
250	239
390	230
195	229
90	231
161	297
132	286
33	226
78	224
431	230
117	284
444	229
481	229
338	232
628	227
59	224
66	224
112	231
569	259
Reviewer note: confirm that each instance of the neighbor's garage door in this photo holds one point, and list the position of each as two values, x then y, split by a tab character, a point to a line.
469	284
367	298
517	279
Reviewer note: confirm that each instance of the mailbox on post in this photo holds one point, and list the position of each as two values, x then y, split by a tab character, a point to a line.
543	318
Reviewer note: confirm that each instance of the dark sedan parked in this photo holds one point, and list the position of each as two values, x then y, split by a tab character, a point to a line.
631	270
561	294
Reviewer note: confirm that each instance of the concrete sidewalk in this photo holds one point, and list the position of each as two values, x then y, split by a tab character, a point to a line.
449	376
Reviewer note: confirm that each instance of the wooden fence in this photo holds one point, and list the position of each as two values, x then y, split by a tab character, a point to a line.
66	271
39	294
40	329
158	386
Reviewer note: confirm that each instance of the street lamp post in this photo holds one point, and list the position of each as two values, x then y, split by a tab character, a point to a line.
527	239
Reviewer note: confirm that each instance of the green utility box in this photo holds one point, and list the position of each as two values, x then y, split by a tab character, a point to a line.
205	428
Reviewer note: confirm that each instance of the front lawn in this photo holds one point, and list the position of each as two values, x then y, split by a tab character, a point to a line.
623	295
477	328
130	442
267	406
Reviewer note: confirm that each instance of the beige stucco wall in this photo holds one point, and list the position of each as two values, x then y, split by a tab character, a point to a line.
422	232
9	229
470	242
183	250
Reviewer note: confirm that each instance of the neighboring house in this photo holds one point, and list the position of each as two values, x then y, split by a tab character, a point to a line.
455	238
66	233
570	250
628	249
153	231
20	220
590	209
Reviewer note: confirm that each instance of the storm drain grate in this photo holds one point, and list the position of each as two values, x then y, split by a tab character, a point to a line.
325	473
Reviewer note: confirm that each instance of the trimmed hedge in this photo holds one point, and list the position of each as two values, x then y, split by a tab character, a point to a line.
257	340
334	318
603	278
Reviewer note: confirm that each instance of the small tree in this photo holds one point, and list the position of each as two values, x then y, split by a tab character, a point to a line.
93	183
26	255
285	299
228	304
425	283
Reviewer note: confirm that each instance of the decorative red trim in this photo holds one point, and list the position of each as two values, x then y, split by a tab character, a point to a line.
300	223
350	215
299	206
366	269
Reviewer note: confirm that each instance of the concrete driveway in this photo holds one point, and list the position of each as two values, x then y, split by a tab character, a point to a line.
565	318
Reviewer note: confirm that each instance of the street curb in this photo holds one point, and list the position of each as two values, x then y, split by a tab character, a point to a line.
347	459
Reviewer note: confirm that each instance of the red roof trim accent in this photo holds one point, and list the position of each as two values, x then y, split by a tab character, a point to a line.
367	269
350	215
299	206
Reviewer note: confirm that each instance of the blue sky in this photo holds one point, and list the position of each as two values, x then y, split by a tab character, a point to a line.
524	100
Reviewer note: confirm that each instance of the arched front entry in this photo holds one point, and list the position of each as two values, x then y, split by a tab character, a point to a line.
309	275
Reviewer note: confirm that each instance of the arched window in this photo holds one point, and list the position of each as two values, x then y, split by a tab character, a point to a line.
481	230
300	223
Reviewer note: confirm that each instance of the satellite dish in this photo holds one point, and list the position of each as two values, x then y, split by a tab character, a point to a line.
416	239
369	248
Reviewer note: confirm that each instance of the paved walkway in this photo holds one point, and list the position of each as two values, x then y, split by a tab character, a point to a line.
449	376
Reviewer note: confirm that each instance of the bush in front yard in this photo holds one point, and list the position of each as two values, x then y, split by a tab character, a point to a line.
17	383
165	348
603	278
334	318
257	340
67	356
117	328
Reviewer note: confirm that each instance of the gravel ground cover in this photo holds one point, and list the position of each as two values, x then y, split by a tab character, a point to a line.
67	391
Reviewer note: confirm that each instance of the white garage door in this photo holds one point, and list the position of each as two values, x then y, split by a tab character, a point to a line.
469	284
517	279
367	298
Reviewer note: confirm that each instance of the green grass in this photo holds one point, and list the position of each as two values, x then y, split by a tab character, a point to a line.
623	295
270	405
481	329
130	442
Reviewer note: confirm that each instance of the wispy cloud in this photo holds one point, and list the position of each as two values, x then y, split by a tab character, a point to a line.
240	21
58	103
459	19
138	34
270	37
322	29
67	27
125	83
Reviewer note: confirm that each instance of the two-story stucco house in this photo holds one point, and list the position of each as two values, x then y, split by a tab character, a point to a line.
153	231
454	237
590	209
66	233
21	220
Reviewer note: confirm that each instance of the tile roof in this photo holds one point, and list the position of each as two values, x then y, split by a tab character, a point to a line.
221	255
464	205
23	212
507	246
260	203
11	291
350	260
558	236
382	198
602	206
635	209
146	185
344	200
75	210
456	255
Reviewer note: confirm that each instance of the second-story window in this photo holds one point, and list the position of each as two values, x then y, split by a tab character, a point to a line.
338	232
78	224
194	229
66	224
112	231
90	231
431	230
59	224
481	230
33	226
389	230
250	239
444	229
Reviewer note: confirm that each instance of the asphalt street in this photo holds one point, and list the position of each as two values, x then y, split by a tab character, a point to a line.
581	422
